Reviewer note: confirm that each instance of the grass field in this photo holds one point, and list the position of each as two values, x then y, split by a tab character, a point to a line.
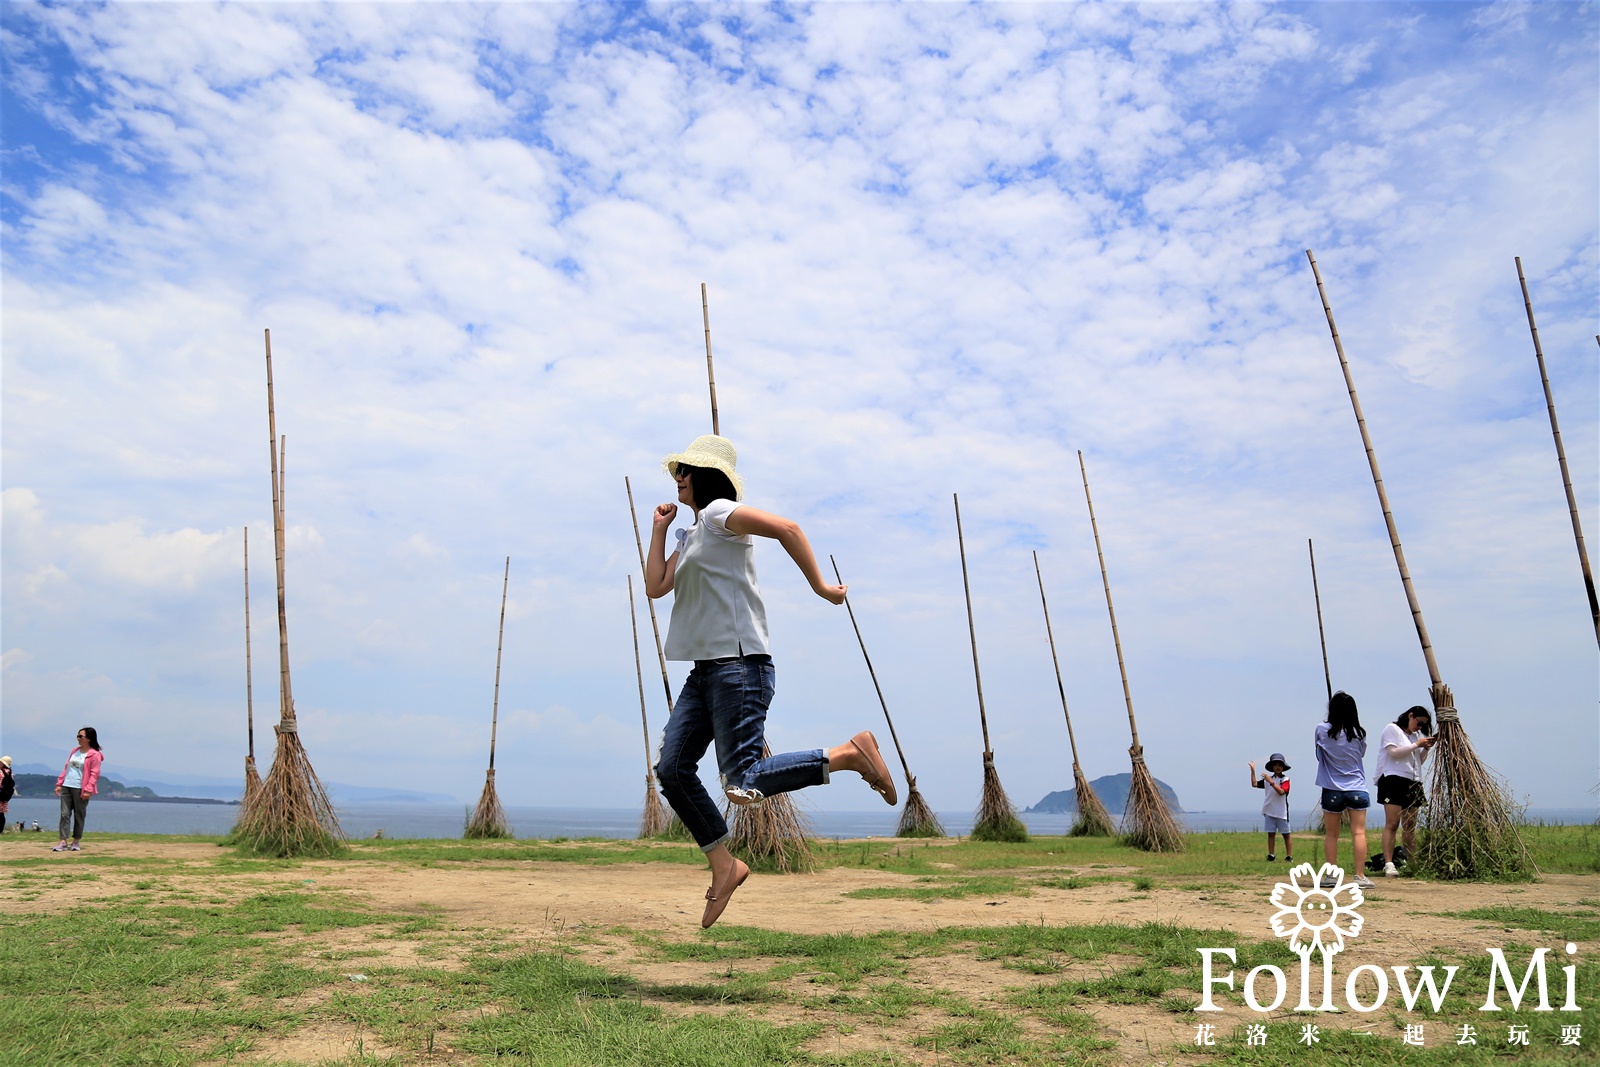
179	952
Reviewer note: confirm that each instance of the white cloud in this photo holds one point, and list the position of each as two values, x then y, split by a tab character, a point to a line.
946	248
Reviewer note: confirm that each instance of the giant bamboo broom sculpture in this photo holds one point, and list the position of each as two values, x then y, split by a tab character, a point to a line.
1561	455
1469	824
674	830
1314	820
252	777
996	819
489	818
292	815
654	820
772	833
916	817
1093	820
1147	820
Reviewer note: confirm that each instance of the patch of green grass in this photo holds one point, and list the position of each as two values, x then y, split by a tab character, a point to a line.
1566	925
935	888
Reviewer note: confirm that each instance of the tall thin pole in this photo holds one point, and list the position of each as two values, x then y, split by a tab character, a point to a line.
249	694
1377	481
494	721
655	627
1561	454
1127	694
862	642
711	377
1326	677
972	630
285	693
638	670
1057	662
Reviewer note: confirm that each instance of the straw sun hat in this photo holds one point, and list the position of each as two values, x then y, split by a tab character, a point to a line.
708	450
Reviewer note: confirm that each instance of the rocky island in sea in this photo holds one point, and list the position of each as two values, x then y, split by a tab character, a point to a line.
1112	789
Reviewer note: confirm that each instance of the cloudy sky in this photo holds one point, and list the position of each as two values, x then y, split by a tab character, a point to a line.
947	247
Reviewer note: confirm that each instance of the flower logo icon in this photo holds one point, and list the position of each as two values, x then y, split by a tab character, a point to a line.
1316	912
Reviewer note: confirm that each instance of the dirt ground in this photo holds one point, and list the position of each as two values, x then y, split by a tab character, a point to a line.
582	907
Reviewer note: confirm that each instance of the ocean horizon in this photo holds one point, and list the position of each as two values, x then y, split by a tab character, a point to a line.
425	821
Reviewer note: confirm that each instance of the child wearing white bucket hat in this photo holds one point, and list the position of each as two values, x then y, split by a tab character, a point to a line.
720	623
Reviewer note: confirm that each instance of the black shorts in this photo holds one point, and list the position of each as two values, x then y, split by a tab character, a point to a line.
1399	791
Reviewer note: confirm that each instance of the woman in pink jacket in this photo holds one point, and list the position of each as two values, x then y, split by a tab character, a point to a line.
75	784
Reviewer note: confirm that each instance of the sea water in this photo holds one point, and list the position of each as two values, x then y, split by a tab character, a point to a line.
448	820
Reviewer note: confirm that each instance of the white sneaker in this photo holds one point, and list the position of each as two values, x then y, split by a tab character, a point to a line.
1390	871
1329	881
1363	881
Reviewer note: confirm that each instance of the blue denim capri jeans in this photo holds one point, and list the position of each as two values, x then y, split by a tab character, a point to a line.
726	701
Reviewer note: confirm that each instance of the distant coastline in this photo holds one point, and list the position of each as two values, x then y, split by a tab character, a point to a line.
35	786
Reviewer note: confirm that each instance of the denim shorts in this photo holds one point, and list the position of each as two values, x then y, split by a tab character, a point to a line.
1275	824
1342	799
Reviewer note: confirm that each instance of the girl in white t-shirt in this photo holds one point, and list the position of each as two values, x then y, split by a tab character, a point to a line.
1402	750
720	623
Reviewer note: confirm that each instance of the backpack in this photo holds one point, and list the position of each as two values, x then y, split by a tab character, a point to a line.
8	786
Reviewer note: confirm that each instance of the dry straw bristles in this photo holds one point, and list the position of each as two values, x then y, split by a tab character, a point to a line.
488	819
1470	825
772	835
1093	819
917	819
252	777
291	815
1148	822
997	817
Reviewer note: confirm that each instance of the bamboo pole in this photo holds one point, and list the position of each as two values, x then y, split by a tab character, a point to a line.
996	819
1093	820
285	691
499	648
972	632
1327	678
1147	819
1561	455
292	814
1377	481
711	377
655	626
249	690
488	820
653	821
1116	639
917	818
1470	824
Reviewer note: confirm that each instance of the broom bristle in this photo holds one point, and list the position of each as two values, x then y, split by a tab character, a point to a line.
1093	820
252	788
653	823
292	815
1148	822
1471	825
916	817
675	830
488	821
997	818
771	836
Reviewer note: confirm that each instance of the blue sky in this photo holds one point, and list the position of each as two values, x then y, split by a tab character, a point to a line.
947	247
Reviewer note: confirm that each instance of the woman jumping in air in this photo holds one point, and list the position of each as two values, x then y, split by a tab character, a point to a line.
720	623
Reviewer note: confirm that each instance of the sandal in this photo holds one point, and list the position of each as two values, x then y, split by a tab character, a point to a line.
878	777
715	905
